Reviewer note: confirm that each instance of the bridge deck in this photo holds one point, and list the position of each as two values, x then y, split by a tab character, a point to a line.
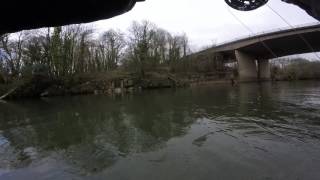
278	43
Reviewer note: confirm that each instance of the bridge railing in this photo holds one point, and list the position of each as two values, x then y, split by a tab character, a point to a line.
267	32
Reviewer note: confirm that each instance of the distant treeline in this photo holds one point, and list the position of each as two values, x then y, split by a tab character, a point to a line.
65	51
296	69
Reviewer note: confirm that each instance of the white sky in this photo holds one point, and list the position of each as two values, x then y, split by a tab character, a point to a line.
207	21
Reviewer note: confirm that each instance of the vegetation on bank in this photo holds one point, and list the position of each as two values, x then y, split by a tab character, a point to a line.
70	50
75	60
69	58
295	69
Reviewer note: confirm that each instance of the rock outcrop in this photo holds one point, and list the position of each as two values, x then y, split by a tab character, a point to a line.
30	14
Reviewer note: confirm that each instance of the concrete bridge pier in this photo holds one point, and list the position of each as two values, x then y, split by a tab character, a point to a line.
252	70
264	73
246	66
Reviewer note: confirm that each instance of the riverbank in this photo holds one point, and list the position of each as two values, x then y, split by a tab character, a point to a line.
119	82
107	84
103	83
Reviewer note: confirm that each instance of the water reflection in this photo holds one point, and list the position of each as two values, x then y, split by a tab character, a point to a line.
90	132
88	135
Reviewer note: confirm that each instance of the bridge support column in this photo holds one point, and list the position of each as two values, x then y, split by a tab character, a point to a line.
247	67
264	70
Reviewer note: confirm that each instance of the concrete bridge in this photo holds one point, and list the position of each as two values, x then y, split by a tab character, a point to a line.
253	53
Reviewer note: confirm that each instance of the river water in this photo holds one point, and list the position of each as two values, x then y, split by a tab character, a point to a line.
252	131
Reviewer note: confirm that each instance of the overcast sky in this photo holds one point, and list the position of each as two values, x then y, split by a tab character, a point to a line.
207	21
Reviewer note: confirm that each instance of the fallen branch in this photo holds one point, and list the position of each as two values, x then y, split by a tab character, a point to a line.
8	93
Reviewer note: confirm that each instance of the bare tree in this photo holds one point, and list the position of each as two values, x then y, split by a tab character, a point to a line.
111	47
70	50
12	53
140	42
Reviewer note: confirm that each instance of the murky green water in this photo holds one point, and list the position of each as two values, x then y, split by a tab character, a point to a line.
269	131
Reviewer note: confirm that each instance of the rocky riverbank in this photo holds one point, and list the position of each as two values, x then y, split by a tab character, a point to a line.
103	83
39	86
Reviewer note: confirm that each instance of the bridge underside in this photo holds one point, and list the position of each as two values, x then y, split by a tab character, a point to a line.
279	47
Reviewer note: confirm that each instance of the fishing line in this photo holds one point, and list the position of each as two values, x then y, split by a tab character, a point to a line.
300	36
251	31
